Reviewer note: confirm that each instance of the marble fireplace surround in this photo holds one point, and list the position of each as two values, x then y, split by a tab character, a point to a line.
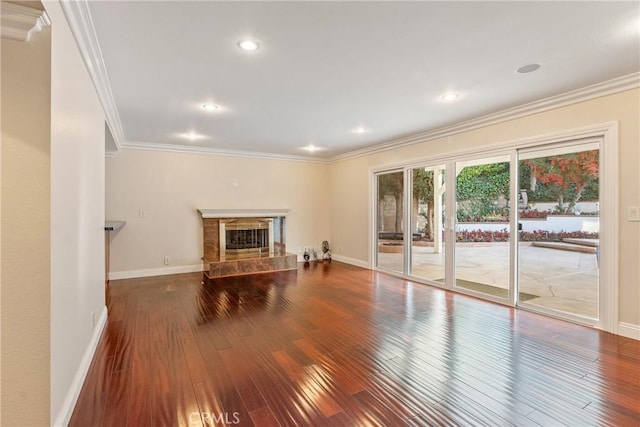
216	264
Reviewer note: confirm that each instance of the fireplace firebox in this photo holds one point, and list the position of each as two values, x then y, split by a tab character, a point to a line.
246	236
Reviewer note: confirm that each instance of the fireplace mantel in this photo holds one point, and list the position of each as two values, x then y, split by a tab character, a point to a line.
242	213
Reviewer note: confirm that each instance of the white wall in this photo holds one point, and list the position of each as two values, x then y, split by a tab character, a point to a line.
24	302
588	207
77	216
169	187
349	179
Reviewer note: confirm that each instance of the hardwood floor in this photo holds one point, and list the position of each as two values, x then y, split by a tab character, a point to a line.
337	345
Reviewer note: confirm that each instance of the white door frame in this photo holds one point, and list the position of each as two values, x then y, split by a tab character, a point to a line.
609	206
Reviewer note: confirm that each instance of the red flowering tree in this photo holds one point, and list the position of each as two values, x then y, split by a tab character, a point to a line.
566	172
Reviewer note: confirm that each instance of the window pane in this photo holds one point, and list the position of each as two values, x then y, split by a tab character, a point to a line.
427	219
559	213
390	221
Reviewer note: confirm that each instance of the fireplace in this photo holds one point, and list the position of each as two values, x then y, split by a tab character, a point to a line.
245	241
246	236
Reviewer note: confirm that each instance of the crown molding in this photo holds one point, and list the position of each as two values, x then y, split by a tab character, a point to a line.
19	22
79	19
218	151
620	84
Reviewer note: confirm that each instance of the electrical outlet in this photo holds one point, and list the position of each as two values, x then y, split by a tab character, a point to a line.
142	213
633	213
167	260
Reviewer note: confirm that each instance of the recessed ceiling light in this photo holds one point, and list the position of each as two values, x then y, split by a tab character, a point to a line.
450	97
311	148
529	68
249	45
360	130
191	135
210	107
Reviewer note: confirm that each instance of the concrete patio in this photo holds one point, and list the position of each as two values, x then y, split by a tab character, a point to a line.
560	280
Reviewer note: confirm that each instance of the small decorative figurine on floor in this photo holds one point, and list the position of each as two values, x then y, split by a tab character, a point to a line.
315	253
326	252
306	255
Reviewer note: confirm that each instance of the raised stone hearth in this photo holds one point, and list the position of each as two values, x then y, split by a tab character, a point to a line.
247	241
256	264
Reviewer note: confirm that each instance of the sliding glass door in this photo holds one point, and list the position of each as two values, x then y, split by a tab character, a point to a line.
390	196
519	226
427	219
482	231
559	214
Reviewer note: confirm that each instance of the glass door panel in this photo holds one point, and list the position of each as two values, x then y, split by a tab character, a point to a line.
390	221
482	251
558	213
427	219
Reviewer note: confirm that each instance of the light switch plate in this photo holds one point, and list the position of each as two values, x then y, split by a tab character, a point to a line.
633	213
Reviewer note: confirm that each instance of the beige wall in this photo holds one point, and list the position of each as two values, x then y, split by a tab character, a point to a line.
169	187
349	179
349	208
52	224
25	298
77	215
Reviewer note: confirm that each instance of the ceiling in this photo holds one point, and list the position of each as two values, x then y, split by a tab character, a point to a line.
325	68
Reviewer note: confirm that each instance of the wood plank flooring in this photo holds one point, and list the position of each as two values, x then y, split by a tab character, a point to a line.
336	345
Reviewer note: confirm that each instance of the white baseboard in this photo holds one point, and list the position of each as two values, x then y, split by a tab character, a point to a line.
163	271
629	330
64	416
352	261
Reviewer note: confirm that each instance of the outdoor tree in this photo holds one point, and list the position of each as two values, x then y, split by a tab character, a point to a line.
391	184
423	193
483	181
479	186
566	175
